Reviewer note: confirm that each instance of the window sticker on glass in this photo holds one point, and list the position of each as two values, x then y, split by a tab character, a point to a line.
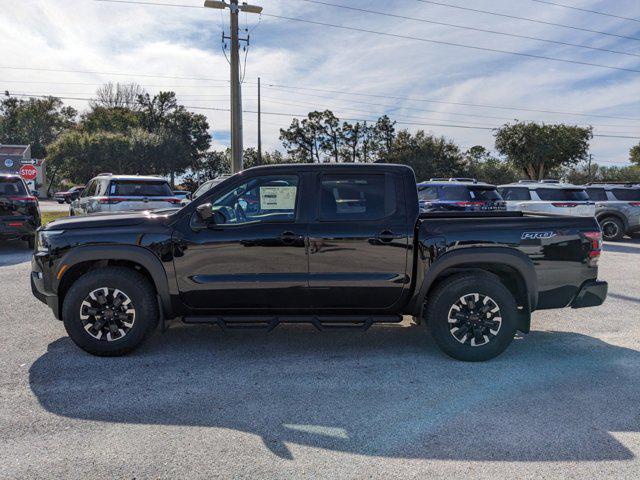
277	198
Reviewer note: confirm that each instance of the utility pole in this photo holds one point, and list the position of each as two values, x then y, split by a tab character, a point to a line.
259	127
236	91
589	169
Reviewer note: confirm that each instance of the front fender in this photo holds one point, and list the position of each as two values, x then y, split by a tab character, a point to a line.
130	253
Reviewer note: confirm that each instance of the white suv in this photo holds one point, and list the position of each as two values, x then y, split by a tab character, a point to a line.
548	196
117	193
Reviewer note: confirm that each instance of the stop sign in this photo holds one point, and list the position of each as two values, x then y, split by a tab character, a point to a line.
28	172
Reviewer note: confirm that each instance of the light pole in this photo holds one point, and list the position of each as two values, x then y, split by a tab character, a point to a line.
236	92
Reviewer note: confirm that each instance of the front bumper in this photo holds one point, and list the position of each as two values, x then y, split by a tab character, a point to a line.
40	292
591	294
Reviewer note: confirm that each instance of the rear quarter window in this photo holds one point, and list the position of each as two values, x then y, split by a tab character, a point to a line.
627	194
456	193
514	193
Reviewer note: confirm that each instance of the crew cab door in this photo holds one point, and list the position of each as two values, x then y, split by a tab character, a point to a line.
358	245
252	256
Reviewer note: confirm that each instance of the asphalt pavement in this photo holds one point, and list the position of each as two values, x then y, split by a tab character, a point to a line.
562	402
48	205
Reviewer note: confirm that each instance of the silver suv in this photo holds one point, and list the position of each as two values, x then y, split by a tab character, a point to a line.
117	193
617	208
547	196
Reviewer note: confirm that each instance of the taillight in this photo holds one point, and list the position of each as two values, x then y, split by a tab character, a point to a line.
634	204
469	204
595	249
173	200
26	199
564	204
15	224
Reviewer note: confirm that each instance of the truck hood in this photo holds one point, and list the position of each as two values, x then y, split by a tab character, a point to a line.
102	220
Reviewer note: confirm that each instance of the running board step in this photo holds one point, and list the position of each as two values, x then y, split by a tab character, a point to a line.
267	323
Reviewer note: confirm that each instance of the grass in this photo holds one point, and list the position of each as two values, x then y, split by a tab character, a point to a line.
51	216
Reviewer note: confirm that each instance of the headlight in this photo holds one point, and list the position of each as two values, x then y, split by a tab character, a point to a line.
43	240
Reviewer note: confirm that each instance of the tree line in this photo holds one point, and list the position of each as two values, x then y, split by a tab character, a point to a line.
126	130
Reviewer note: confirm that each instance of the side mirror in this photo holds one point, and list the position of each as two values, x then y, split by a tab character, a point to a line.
35	193
205	212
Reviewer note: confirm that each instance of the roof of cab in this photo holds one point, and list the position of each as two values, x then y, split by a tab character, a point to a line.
456	182
532	185
143	178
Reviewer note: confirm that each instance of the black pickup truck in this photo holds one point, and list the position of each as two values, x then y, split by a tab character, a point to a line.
334	245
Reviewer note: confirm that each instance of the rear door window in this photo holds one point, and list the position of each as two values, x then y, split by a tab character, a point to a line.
484	194
12	186
627	194
597	194
562	194
515	193
357	197
137	188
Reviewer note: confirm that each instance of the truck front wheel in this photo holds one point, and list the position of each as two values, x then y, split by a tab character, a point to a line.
472	316
110	311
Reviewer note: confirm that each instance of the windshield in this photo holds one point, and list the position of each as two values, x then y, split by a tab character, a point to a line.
137	188
627	194
12	186
555	194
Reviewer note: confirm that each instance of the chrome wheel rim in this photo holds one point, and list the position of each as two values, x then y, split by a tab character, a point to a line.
474	319
610	229
107	314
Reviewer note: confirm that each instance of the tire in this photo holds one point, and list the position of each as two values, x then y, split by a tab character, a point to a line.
612	229
128	333
452	337
67	200
31	243
60	201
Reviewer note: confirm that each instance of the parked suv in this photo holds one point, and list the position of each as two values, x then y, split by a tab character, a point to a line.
617	208
547	196
458	194
19	212
116	193
68	196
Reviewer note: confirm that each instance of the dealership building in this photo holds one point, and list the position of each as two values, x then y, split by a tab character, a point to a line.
17	159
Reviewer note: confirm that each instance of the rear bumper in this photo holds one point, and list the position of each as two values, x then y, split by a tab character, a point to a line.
8	232
591	294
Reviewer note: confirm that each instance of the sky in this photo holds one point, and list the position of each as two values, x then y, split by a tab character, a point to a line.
444	89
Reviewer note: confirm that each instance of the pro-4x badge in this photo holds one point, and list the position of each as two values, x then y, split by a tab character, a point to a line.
537	235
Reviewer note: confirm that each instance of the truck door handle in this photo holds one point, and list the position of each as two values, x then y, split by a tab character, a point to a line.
288	238
386	236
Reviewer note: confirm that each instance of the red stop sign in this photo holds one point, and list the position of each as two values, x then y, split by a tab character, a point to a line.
28	172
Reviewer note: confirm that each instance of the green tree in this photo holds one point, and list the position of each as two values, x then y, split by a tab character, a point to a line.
482	165
110	119
185	134
536	149
36	121
429	156
350	139
634	154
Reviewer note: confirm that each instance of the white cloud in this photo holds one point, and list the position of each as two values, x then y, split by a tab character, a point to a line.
185	42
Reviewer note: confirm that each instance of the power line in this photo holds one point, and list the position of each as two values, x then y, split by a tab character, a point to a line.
277	89
420	124
475	10
351	93
465	104
571	7
452	44
476	29
59	70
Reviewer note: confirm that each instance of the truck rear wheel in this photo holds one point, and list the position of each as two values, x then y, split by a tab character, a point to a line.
472	316
110	311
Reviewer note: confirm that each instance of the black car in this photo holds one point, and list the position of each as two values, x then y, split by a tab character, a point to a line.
19	212
335	245
459	195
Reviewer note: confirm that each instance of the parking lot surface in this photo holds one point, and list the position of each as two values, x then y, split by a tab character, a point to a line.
563	401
